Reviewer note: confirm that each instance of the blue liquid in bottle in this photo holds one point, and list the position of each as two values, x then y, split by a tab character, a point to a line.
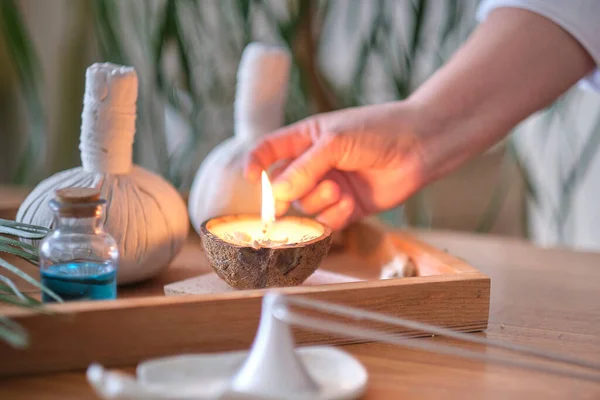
79	259
80	281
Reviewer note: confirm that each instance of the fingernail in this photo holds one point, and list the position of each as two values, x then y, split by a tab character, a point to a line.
281	189
281	208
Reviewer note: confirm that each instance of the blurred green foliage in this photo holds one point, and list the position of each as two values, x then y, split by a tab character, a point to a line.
345	53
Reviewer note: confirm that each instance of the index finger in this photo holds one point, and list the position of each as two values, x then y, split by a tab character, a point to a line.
285	143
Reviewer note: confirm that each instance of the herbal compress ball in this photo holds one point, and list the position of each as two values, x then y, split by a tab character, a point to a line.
145	214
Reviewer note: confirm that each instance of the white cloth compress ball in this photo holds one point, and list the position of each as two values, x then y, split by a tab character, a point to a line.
144	213
219	187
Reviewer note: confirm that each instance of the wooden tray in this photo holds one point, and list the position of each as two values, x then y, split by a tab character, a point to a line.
144	323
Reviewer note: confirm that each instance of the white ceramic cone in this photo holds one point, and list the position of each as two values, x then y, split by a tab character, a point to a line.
220	187
261	90
272	367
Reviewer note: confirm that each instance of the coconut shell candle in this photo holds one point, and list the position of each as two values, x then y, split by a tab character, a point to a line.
258	251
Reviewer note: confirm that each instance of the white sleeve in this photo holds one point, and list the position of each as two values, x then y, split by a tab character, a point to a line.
581	18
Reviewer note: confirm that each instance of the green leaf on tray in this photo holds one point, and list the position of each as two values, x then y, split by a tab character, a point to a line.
33	258
12	288
18	243
13	333
22	230
6	289
12	300
29	279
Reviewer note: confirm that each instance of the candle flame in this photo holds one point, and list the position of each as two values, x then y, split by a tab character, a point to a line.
268	201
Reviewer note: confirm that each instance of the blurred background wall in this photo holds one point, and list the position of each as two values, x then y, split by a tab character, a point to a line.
540	183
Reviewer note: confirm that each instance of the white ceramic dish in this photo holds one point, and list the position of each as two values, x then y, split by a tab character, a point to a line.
338	374
207	376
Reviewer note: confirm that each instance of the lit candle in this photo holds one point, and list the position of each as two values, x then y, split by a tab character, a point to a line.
267	231
287	250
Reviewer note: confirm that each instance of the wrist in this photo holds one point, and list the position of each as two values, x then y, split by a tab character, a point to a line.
450	134
433	135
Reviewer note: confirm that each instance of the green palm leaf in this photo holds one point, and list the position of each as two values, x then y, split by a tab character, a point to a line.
12	300
13	333
29	279
33	258
18	243
22	230
9	288
10	331
20	47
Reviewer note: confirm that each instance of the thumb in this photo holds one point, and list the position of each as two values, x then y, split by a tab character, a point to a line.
304	173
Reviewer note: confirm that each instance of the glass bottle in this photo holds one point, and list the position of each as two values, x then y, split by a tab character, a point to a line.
78	259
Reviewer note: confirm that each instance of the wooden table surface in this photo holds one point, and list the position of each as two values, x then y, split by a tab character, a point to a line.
544	298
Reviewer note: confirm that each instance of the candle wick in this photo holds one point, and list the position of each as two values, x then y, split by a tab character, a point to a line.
266	228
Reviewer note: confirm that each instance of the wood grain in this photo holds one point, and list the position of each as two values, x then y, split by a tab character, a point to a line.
121	334
546	298
131	329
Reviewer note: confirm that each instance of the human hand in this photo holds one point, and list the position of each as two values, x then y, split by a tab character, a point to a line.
348	164
343	165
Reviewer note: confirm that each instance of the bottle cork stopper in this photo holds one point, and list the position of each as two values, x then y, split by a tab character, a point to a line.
77	202
77	195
